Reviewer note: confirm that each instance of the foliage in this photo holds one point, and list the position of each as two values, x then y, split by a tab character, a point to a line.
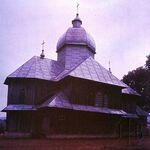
139	80
148	62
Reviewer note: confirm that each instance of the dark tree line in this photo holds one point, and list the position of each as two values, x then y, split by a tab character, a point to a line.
139	80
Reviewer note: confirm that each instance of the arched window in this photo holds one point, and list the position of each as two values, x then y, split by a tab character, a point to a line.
99	99
105	100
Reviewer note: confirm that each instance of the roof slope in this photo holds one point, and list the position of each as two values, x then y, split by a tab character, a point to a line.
60	100
36	67
92	70
48	69
130	91
19	107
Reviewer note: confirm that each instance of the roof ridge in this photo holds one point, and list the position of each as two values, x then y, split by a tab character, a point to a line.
45	58
70	70
81	63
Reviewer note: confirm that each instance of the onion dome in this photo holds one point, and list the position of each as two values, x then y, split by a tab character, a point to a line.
76	35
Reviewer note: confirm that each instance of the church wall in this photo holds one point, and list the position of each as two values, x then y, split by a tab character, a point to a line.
71	55
21	92
129	103
44	90
19	121
115	98
85	92
108	96
61	121
30	92
81	92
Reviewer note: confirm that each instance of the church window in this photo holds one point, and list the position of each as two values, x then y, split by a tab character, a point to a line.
105	100
99	99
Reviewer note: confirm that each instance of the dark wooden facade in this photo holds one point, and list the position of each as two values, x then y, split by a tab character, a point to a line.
77	122
29	91
50	121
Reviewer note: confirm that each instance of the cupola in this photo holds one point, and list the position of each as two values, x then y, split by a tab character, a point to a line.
76	35
75	43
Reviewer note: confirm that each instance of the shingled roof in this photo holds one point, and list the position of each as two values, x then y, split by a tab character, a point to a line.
47	69
92	70
38	68
130	91
60	100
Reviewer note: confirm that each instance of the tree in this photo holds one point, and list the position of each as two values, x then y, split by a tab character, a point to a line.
148	62
139	80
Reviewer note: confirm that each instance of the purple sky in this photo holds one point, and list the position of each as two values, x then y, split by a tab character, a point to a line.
120	28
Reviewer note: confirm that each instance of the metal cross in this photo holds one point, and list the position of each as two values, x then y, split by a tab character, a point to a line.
109	67
43	45
77	7
109	63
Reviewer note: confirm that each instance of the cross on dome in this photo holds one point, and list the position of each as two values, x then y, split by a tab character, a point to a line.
42	54
77	7
43	45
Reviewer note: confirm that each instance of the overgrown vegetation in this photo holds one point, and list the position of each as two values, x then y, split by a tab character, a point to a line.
139	80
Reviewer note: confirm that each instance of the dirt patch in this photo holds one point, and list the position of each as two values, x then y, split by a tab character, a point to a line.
75	144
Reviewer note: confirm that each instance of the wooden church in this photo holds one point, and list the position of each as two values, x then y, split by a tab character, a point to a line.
73	95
